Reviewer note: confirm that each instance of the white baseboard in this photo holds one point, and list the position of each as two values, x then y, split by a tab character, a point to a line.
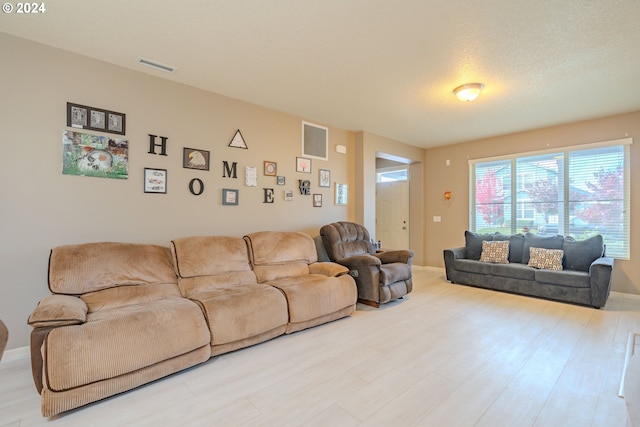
16	354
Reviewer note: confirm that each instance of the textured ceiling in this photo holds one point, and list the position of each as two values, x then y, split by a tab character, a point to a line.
386	67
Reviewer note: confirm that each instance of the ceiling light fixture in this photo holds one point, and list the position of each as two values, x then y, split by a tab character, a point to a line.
157	65
468	92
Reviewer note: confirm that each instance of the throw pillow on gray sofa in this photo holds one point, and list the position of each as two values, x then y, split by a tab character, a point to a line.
535	241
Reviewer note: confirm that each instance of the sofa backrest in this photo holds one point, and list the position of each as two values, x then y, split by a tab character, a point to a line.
277	254
346	239
89	267
206	262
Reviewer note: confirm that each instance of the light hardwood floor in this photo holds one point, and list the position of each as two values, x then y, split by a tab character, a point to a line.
446	355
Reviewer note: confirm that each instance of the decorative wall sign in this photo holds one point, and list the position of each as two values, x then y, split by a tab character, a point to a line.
84	154
196	186
238	141
155	180
250	176
195	159
229	197
268	195
270	168
317	200
315	141
162	144
303	165
281	180
83	117
229	171
304	186
341	194
288	195
324	178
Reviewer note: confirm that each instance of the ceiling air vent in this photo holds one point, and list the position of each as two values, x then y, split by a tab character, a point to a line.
157	65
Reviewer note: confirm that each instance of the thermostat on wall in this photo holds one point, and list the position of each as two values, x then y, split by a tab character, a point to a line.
341	149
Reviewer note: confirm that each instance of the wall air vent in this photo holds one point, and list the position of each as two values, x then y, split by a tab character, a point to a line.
157	65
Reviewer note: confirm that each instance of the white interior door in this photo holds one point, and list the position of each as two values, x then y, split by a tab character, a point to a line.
392	214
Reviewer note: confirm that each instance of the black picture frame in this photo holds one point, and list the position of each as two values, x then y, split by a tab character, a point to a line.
155	181
98	119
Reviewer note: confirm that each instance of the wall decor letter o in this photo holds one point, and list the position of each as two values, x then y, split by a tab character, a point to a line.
200	186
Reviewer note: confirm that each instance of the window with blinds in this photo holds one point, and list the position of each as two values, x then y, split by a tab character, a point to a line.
578	192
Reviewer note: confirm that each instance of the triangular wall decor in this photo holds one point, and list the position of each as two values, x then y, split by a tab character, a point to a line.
238	141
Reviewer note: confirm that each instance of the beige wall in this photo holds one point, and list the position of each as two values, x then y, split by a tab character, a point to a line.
455	178
42	208
370	146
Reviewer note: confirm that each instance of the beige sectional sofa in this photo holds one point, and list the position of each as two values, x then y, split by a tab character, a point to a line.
124	314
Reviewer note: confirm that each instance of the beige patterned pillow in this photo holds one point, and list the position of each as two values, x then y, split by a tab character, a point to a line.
497	252
548	259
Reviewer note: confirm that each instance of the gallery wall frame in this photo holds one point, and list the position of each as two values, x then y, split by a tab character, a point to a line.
315	141
85	117
317	200
303	165
155	180
195	159
270	168
230	197
341	194
324	178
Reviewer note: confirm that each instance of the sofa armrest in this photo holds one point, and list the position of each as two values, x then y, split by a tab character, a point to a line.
359	261
600	280
331	269
403	255
58	310
450	256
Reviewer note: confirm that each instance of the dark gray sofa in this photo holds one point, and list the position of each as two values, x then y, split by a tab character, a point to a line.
585	278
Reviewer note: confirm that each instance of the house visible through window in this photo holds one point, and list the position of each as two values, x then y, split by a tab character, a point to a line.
578	192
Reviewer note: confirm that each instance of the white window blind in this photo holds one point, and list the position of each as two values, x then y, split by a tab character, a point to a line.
579	192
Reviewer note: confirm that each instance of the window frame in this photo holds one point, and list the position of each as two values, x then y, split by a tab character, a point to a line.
516	205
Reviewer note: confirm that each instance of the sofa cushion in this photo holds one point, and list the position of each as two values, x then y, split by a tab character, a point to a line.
276	254
546	242
88	267
473	243
516	245
569	278
236	312
497	252
513	270
122	340
315	295
471	266
547	259
579	254
206	262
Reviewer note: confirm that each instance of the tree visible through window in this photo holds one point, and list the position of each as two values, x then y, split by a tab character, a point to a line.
578	193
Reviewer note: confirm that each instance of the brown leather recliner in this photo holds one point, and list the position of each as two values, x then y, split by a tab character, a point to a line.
381	277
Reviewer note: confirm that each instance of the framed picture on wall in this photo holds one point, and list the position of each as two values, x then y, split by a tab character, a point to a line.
270	168
317	200
303	165
84	117
341	194
229	197
155	180
324	178
195	159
